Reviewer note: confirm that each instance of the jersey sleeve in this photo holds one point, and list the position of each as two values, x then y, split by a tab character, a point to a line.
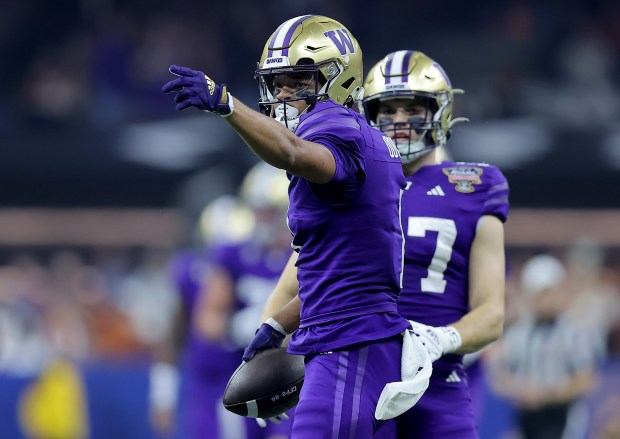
224	257
341	134
187	271
179	273
496	203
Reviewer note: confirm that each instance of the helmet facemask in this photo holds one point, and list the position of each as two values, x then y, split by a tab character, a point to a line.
422	132
308	82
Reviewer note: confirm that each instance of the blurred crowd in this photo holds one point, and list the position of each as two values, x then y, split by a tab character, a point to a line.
64	312
84	78
82	306
102	63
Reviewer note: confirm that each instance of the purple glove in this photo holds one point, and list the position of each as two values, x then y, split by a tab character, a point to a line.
266	337
195	89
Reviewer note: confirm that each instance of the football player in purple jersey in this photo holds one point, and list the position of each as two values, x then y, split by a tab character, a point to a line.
452	217
224	219
345	186
243	275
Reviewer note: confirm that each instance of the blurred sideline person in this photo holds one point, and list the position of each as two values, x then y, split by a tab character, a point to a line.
452	216
591	285
596	305
344	192
223	287
546	361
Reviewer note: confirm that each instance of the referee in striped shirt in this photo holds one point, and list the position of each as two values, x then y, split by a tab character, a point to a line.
546	361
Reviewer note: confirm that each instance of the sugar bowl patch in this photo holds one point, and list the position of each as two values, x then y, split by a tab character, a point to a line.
464	177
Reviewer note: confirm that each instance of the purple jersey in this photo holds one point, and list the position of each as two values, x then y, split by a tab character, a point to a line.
348	235
210	363
254	269
188	270
440	212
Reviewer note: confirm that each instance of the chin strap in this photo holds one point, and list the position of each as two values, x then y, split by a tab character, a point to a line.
357	94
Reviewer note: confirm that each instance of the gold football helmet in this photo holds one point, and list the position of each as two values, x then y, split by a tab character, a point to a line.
322	57
225	219
265	190
265	187
408	74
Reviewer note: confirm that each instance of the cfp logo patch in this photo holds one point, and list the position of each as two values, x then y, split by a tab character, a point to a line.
342	40
464	177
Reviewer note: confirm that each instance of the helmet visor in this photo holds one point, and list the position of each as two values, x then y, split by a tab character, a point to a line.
293	83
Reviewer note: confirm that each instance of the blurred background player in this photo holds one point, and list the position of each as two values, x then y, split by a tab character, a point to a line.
225	219
452	216
223	288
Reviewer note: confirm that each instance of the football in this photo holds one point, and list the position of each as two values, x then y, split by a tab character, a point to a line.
267	385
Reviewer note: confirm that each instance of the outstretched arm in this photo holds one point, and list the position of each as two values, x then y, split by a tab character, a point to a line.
279	147
270	140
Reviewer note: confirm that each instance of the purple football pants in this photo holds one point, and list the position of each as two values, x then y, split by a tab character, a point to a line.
341	390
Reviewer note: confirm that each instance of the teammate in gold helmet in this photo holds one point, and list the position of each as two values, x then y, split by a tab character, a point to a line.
452	215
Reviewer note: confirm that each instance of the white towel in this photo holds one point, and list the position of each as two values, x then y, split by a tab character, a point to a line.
416	368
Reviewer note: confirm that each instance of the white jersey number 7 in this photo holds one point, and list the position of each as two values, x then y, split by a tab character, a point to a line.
434	282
